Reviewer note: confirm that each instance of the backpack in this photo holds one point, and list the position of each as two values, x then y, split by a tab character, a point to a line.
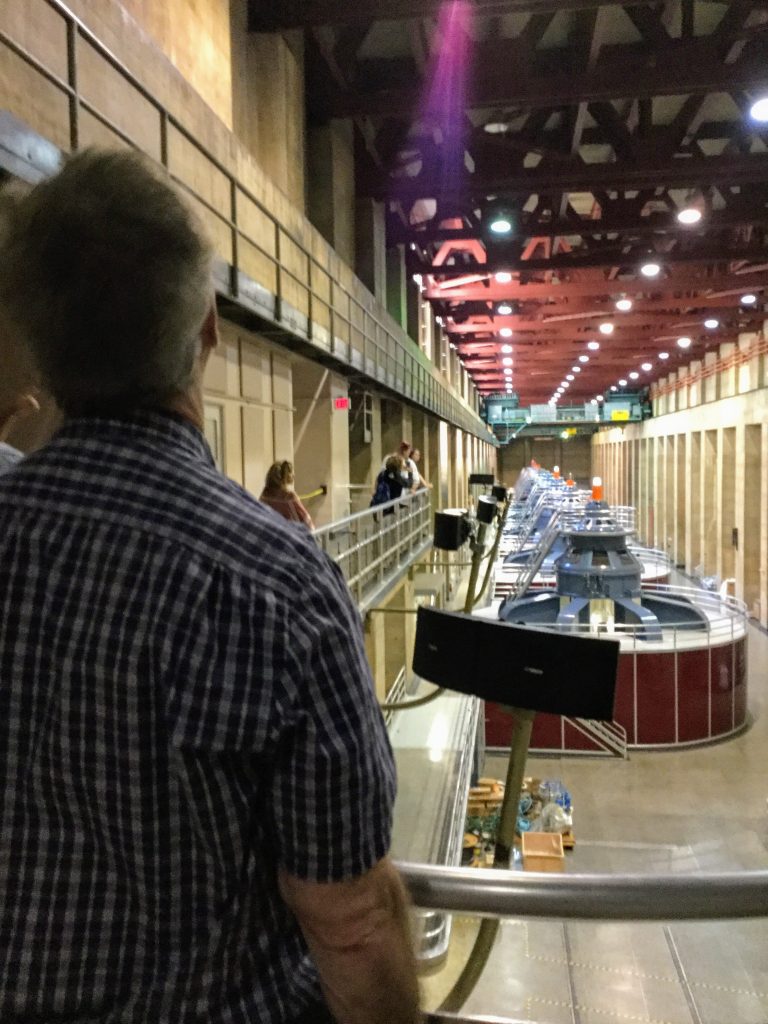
381	495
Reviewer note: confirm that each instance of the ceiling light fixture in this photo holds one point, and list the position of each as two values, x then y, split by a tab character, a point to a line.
506	332
507	361
583	359
500	218
569	376
749	299
614	388
593	345
607	328
504	309
503	277
496	127
600	398
506	348
647	367
711	324
692	212
759	110
650	269
634	375
576	369
663	355
684	342
624	305
622	383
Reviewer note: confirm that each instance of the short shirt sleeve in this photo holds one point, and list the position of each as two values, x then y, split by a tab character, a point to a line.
334	777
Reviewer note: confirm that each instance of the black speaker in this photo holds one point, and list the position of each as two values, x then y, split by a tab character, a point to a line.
515	665
499	492
452	529
481	479
486	509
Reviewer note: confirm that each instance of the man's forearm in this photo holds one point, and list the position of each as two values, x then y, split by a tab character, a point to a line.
363	954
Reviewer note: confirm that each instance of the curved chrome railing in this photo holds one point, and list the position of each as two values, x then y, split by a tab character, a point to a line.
489	892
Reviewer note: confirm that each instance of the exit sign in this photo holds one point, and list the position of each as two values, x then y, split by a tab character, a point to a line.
341	403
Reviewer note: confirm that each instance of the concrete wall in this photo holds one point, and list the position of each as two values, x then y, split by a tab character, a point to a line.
699	476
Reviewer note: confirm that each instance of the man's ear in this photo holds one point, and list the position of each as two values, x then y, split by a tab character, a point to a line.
23	406
209	332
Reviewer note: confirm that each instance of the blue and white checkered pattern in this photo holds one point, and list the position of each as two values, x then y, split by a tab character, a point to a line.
185	705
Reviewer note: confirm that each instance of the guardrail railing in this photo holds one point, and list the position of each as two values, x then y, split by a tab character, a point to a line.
375	547
267	268
491	892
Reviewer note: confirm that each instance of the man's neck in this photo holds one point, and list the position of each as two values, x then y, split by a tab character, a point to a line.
189	406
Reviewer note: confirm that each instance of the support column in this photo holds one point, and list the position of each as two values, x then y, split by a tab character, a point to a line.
321	438
370	247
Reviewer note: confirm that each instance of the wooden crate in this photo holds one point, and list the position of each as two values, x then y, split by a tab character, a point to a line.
543	851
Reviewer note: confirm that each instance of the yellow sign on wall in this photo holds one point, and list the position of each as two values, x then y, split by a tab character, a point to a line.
620	414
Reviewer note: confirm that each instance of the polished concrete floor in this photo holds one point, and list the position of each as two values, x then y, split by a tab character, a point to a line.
701	809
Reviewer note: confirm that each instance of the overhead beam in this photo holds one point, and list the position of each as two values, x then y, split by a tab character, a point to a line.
281	15
496	85
656	224
681	283
726	171
598	258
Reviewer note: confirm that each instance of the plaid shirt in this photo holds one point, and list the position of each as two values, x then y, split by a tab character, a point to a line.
185	705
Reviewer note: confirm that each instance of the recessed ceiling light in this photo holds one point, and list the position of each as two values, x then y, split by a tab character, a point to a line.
650	269
503	277
569	376
600	398
506	332
711	324
507	372
504	309
506	348
749	299
500	225
593	401
507	361
594	345
614	388
634	375
606	328
583	359
684	342
759	110
689	216
565	384
624	305
622	383
496	127
647	367
576	369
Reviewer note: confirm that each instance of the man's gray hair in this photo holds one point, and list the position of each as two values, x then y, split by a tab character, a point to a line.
105	273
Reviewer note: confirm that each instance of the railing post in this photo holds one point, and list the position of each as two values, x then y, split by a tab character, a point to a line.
74	96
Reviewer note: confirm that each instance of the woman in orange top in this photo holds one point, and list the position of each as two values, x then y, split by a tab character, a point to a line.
279	494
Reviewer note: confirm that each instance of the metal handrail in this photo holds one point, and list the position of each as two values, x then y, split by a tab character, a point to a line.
498	894
451	1018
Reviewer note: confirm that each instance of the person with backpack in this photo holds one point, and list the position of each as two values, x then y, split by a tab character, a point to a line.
390	483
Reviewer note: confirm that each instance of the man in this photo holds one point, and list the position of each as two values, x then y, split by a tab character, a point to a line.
196	782
419	482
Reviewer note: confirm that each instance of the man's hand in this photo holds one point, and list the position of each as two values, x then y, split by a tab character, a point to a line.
359	938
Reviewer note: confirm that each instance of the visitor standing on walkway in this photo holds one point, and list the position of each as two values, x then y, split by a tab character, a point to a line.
197	784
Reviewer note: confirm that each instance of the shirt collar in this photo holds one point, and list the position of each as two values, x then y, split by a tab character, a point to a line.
158	427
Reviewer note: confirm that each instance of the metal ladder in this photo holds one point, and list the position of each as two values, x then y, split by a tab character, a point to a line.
535	562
